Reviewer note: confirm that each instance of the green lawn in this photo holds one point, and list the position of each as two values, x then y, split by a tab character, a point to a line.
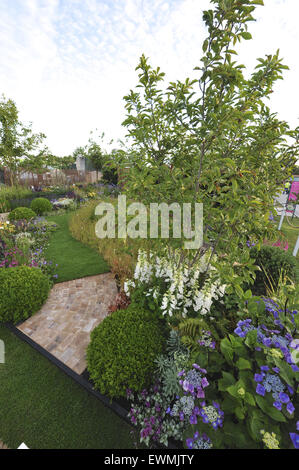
74	259
291	234
46	409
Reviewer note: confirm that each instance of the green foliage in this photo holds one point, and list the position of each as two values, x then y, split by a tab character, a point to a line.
120	254
21	213
110	175
9	193
231	373
217	143
122	350
4	206
240	400
167	371
169	365
40	205
19	147
23	290
271	261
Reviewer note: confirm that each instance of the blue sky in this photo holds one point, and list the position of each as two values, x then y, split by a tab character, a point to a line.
68	63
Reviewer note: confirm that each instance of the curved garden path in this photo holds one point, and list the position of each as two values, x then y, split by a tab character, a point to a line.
72	311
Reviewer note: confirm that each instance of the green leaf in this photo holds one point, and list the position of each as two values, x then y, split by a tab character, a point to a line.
226	381
286	372
240	413
255	426
248	294
245	35
249	399
243	364
205	45
238	390
251	338
271	411
227	350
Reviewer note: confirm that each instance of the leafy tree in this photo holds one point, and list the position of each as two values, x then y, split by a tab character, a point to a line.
79	151
19	146
95	155
214	140
37	163
66	163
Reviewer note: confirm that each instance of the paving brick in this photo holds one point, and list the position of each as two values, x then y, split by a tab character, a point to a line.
72	311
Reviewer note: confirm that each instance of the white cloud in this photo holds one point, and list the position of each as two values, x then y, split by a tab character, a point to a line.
68	63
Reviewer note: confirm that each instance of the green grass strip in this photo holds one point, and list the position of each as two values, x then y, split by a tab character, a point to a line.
46	409
74	259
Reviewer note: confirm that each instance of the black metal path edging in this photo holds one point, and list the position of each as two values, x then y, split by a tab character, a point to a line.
112	404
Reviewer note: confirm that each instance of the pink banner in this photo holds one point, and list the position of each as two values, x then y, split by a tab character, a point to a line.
294	191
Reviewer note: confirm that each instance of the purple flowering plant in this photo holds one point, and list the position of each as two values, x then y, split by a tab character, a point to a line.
234	388
151	413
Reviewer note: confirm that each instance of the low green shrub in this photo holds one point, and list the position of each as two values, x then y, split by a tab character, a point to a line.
21	213
272	260
23	290
40	205
123	348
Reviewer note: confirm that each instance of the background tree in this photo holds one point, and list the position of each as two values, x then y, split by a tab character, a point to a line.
67	162
18	143
95	155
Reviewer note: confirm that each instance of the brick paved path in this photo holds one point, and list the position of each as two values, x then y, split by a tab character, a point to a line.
72	311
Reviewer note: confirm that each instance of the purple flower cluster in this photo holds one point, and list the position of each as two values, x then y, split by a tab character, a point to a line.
271	383
273	308
206	340
211	414
149	414
271	216
11	257
243	328
194	381
199	441
270	338
295	437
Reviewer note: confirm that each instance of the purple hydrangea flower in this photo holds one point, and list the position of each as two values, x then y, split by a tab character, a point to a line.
277	405
290	408
189	443
193	419
284	398
295	439
258	377
260	390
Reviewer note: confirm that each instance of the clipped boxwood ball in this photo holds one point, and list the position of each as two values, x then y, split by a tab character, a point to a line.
40	205
21	213
122	350
23	290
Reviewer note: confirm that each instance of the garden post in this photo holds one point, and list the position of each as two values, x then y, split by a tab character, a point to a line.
282	217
